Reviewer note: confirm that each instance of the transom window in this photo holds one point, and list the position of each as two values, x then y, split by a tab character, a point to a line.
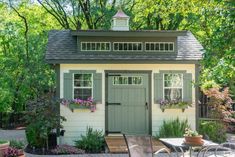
95	46
82	86
173	86
127	80
159	46
127	46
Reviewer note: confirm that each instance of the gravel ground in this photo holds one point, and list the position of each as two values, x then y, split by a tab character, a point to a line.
12	135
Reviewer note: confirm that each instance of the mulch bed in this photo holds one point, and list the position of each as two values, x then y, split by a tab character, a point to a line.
41	151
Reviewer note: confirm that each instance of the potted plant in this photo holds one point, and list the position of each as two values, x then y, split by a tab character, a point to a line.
4	145
17	145
192	137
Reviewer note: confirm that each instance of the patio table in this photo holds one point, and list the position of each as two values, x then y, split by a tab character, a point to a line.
179	145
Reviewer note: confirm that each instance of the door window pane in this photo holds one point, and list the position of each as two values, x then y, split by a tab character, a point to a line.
127	80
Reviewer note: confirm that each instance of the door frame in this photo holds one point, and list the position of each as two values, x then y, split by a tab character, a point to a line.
149	72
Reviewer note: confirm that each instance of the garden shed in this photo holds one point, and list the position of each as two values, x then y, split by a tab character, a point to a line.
135	78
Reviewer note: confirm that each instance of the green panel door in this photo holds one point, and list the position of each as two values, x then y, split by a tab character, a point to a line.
128	103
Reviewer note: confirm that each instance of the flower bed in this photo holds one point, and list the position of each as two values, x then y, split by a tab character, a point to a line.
58	150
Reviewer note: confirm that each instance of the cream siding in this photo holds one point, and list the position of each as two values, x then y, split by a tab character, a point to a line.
77	122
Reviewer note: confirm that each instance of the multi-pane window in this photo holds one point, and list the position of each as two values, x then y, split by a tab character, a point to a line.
173	86
127	46
82	86
127	80
159	46
95	46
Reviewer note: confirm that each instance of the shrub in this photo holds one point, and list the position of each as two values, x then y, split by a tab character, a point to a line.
173	128
215	130
42	120
17	144
66	149
92	142
33	136
220	102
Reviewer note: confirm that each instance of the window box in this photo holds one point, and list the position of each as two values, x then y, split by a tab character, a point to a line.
79	105
81	108
174	104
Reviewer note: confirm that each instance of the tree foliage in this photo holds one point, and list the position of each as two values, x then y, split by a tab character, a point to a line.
23	37
25	24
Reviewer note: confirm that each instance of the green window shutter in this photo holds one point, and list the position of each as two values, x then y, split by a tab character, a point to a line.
68	86
158	87
187	91
97	87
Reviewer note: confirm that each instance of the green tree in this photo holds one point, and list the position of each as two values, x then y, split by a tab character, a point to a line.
23	39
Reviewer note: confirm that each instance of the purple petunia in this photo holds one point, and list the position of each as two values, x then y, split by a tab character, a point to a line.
67	149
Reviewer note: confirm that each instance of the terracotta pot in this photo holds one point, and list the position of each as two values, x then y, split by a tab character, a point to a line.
4	147
21	153
194	140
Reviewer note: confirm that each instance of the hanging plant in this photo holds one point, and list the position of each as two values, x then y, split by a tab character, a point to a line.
80	104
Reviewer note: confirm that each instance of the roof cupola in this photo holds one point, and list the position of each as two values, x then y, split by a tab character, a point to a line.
120	21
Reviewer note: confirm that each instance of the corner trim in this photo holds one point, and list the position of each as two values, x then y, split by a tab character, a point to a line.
197	74
57	71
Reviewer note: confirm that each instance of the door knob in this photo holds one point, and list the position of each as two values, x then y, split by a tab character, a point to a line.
146	105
